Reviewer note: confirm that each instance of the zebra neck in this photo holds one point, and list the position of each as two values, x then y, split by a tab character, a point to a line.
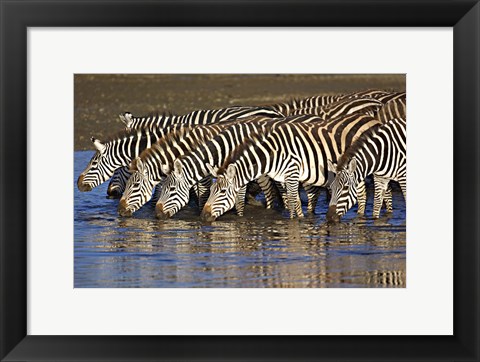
247	171
365	164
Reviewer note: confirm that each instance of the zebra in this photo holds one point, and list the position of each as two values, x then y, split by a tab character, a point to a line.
380	152
394	107
155	162
118	150
291	153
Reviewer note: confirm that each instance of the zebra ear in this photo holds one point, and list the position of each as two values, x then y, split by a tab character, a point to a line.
212	170
177	168
332	167
133	165
98	145
126	118
231	170
138	165
352	165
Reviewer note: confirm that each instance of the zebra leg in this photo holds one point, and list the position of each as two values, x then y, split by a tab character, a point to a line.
313	192
268	189
361	197
204	191
283	193
380	188
294	204
388	199
403	185
240	200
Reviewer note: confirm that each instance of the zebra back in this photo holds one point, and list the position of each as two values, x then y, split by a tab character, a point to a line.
203	116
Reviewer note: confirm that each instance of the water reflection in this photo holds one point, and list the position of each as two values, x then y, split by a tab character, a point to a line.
261	249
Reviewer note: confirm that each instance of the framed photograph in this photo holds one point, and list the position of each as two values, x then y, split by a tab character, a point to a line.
257	128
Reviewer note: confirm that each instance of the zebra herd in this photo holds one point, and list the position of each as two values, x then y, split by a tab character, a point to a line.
331	142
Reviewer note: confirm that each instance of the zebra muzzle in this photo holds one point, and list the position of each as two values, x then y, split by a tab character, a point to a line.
206	214
123	209
160	214
332	216
83	186
114	193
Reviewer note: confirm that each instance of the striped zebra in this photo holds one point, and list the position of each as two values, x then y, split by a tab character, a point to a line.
290	153
118	150
380	152
394	106
157	161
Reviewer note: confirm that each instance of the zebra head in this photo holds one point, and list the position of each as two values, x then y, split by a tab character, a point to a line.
97	170
222	194
138	190
175	191
344	191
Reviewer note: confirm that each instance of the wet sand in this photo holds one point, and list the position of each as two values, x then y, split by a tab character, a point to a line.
100	98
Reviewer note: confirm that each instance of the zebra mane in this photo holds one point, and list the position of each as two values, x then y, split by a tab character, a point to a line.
155	114
356	145
124	133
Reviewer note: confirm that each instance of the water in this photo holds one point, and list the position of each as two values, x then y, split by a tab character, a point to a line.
262	249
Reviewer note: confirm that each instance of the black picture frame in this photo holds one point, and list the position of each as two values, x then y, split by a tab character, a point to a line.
18	15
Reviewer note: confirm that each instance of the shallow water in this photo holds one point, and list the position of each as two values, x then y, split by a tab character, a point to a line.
262	249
